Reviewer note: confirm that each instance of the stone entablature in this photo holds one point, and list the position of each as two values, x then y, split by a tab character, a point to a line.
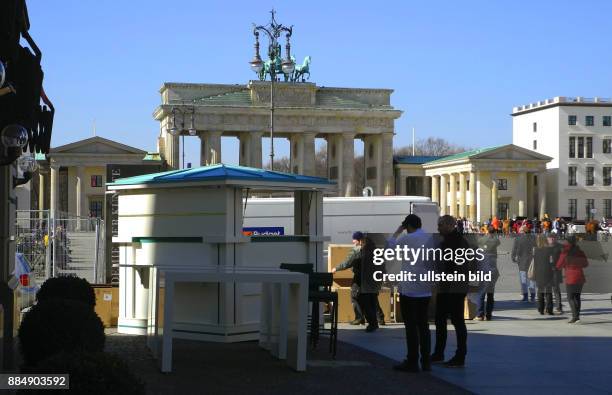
302	113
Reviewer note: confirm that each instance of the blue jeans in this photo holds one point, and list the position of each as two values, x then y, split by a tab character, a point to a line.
526	283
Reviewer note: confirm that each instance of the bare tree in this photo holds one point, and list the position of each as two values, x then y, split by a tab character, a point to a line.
433	146
282	164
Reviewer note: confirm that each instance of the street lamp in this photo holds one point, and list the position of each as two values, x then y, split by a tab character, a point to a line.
274	65
178	127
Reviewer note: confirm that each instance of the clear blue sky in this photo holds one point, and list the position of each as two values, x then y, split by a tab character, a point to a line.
457	67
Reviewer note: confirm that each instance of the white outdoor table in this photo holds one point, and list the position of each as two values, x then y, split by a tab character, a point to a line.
283	315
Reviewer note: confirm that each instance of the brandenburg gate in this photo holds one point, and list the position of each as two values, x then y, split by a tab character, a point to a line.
294	109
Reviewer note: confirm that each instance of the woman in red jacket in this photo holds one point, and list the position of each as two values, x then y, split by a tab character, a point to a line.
573	260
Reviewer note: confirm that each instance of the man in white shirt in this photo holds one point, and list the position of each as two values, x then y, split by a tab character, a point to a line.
414	295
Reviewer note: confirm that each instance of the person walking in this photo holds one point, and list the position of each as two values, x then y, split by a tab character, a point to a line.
573	260
414	295
451	294
368	286
489	244
543	274
353	261
555	253
522	253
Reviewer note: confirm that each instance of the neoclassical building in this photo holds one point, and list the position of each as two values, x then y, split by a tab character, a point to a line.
72	177
303	112
504	181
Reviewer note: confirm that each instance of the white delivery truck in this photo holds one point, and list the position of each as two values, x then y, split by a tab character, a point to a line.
342	215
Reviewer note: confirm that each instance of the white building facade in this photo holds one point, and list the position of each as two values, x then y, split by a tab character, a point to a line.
577	133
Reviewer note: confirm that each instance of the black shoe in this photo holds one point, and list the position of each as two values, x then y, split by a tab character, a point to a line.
436	358
371	328
489	317
541	312
405	366
532	298
426	366
357	322
455	362
524	298
574	321
382	323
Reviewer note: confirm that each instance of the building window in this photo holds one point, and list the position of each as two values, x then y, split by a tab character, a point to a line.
589	147
572	147
571	176
414	186
589	120
535	145
607	208
607	120
581	147
371	172
571	207
589	208
590	175
502	184
607	145
371	151
96	181
535	126
607	179
571	120
95	208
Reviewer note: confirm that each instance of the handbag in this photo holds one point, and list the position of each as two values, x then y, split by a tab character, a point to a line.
531	271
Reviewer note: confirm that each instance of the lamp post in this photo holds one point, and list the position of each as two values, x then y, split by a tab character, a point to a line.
178	127
273	31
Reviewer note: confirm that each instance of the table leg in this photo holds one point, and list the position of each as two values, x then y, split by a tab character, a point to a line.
284	321
166	362
298	318
265	319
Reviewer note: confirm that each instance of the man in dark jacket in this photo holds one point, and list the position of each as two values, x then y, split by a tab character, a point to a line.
451	294
353	261
522	254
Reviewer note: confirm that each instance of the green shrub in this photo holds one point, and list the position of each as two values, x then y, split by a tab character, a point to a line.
58	325
92	373
72	288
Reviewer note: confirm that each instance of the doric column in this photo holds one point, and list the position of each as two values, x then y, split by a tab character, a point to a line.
214	148
210	148
435	189
204	149
387	164
41	192
80	189
255	160
462	189
54	196
542	193
452	202
348	159
473	199
443	194
372	150
522	193
493	194
308	154
302	153
172	150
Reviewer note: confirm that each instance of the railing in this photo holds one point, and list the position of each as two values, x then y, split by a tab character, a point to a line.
62	245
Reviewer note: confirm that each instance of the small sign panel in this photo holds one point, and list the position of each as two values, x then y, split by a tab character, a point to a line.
264	231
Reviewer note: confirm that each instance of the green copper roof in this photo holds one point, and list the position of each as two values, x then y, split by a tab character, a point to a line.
329	101
464	155
40	156
238	98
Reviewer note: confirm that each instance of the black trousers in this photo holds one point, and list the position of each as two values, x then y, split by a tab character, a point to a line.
545	299
418	337
368	301
573	298
357	308
450	304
